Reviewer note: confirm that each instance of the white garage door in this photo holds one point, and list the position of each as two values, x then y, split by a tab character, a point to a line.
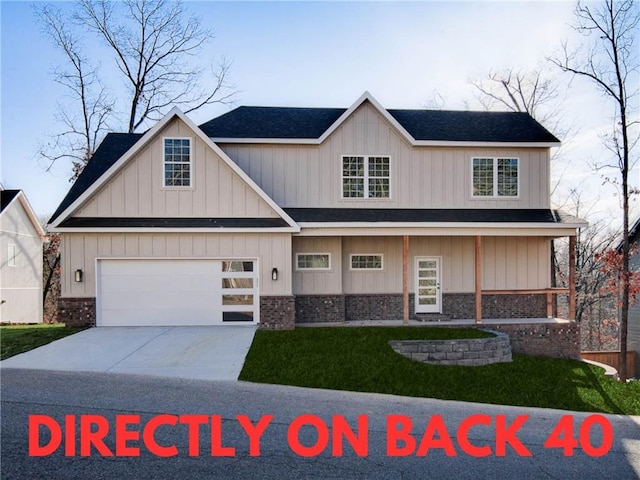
153	292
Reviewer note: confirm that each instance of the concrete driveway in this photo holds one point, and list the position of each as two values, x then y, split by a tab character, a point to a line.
204	353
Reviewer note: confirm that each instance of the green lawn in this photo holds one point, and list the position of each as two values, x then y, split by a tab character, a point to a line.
16	339
359	359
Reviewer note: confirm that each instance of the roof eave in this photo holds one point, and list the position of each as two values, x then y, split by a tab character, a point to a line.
176	230
513	225
415	143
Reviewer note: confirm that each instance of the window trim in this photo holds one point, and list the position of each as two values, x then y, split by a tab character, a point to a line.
495	195
351	267
317	269
191	165
12	255
366	178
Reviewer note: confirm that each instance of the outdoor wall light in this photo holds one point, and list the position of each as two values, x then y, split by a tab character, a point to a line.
77	275
274	274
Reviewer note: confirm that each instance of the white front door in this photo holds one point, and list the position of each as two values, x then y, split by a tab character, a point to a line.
427	286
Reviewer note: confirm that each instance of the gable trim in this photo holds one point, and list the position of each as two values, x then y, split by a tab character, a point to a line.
366	96
142	142
176	230
414	143
22	198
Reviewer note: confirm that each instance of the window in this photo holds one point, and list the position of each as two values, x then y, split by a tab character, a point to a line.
177	162
365	177
495	177
366	262
313	261
11	257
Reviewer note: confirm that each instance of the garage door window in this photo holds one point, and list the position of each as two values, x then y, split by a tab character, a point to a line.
239	291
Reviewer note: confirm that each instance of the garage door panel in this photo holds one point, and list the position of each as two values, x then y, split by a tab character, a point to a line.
159	267
163	292
159	317
164	283
148	300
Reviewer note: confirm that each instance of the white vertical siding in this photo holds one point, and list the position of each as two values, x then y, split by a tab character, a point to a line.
20	285
423	177
318	281
138	190
507	262
79	251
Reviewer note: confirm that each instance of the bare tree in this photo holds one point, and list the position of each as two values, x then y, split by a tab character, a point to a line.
152	42
515	90
51	277
85	119
532	92
611	64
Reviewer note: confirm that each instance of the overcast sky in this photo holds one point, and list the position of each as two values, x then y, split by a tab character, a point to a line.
321	54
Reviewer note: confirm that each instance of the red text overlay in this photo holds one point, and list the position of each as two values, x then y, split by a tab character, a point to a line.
127	436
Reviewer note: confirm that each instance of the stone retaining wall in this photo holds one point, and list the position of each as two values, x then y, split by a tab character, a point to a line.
464	352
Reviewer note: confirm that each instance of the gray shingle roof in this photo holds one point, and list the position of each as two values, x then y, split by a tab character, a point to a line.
110	150
272	122
6	196
429	215
464	126
434	125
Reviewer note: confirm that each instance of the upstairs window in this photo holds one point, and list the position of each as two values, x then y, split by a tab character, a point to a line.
177	162
495	177
365	177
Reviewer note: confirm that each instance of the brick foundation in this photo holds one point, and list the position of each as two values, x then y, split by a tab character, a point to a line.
277	313
340	308
462	306
77	312
319	308
373	307
554	340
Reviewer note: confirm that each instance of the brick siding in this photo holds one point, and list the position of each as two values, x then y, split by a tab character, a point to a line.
462	306
277	313
319	308
555	340
77	312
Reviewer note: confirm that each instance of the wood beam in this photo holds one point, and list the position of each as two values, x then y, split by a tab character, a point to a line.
478	256
572	278
405	280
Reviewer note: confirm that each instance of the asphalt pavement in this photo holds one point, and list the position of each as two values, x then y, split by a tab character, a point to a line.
293	431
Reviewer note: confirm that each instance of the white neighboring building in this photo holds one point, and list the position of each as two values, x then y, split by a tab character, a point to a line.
21	238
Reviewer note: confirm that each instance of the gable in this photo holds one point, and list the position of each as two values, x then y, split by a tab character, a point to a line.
137	190
366	131
16	215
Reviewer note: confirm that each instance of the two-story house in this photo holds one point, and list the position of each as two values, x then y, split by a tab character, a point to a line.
280	216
